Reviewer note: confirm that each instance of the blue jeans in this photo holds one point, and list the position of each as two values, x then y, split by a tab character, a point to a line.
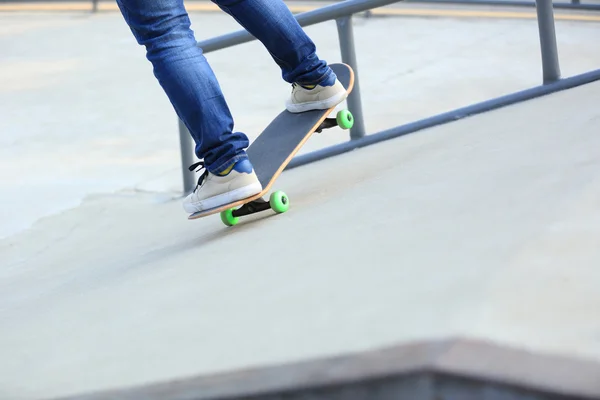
163	27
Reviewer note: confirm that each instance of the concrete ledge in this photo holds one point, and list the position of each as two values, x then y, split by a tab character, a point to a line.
426	370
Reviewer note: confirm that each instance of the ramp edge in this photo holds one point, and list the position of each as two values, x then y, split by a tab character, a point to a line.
452	368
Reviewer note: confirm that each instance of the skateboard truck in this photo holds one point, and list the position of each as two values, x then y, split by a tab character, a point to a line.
328	123
253	207
278	202
343	119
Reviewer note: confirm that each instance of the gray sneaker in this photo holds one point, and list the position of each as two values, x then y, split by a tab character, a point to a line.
239	182
316	97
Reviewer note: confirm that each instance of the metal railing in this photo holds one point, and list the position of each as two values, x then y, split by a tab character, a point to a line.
342	12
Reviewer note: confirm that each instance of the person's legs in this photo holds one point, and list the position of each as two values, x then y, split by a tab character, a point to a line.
271	22
163	27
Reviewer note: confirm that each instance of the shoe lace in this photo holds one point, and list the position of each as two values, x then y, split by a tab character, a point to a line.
202	176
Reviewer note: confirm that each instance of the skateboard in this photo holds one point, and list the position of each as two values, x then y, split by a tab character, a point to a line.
275	147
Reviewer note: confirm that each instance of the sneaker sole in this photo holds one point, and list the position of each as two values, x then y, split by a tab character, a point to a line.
317	105
224	198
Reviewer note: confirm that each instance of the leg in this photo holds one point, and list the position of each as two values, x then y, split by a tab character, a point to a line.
163	27
315	85
271	22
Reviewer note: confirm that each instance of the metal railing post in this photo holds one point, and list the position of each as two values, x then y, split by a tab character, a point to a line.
346	35
545	17
187	157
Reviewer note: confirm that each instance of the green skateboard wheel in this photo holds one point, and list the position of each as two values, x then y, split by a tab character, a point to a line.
228	218
344	119
279	202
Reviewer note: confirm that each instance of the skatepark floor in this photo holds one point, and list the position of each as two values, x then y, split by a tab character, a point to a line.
81	112
487	227
484	228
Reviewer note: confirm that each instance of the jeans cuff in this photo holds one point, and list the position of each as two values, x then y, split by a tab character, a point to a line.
328	78
227	163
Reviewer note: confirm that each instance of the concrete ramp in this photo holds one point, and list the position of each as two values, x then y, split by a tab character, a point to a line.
485	229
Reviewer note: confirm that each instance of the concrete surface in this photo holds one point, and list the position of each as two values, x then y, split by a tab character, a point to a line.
81	113
449	369
486	228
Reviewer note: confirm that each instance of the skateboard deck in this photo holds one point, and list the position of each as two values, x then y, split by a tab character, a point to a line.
275	147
